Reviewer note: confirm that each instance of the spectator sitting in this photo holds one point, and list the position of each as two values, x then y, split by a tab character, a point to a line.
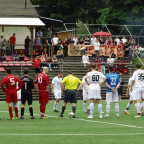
48	62
35	53
21	57
113	56
40	51
85	60
102	60
82	50
138	52
54	61
15	56
118	72
43	60
60	54
45	52
110	61
5	45
37	42
3	57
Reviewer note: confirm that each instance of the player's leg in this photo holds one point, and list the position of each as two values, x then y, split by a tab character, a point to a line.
108	101
10	110
57	105
115	100
73	101
128	107
31	111
15	106
22	111
85	98
19	98
57	97
84	106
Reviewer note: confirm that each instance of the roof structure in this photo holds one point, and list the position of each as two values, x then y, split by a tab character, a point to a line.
17	8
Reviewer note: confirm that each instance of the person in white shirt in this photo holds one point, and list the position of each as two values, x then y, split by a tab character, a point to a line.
93	40
97	47
110	61
18	93
124	40
75	39
94	92
117	40
85	60
138	81
55	42
56	90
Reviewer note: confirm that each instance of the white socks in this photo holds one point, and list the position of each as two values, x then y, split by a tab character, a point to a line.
128	107
91	108
84	106
19	103
142	106
138	108
108	109
117	109
56	106
100	108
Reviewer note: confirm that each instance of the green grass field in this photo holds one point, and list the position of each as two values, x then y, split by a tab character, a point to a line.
55	130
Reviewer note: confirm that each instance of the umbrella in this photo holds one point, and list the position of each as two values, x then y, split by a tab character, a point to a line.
104	34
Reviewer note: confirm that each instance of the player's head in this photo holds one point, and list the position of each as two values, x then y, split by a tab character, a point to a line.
60	74
8	71
138	66
93	67
45	70
69	73
98	69
111	69
18	75
26	71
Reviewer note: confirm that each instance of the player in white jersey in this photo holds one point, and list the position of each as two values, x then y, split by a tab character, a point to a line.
132	96
56	90
18	93
85	93
138	80
94	93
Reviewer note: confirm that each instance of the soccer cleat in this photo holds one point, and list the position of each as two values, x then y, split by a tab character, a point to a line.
127	113
88	111
137	116
56	110
100	116
16	118
21	118
90	117
106	116
10	119
32	117
61	115
74	116
42	117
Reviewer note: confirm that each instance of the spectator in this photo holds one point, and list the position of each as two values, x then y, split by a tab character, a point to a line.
40	33
3	57
97	47
48	62
15	56
54	61
1	41
49	32
117	40
45	52
27	45
126	49
5	45
21	57
113	56
43	60
37	42
131	54
12	43
118	72
120	89
62	47
102	61
60	40
86	40
36	65
132	42
110	61
101	41
60	54
35	53
81	42
109	41
55	42
124	40
85	60
75	39
93	40
138	52
40	51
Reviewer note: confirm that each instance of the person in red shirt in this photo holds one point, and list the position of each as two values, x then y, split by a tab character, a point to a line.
36	65
42	86
11	92
12	43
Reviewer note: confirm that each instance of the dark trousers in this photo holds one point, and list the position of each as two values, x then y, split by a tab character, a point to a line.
27	51
12	48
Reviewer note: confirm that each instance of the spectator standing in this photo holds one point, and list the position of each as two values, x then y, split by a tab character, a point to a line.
43	60
124	40
40	33
36	65
97	47
85	60
55	42
132	42
102	60
131	54
75	39
93	40
86	40
49	32
117	40
37	42
1	41
138	52
101	41
109	41
60	54
60	40
5	45
126	51
48	62
12	43
113	56
27	45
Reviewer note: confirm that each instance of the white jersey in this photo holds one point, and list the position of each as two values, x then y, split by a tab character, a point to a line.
130	83
95	78
56	83
138	77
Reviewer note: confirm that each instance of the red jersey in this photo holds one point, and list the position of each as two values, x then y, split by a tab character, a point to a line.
43	81
12	40
36	63
10	82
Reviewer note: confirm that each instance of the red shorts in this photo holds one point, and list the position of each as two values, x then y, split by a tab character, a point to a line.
43	97
11	96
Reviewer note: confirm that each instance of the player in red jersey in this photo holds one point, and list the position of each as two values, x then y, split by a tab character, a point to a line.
42	85
11	92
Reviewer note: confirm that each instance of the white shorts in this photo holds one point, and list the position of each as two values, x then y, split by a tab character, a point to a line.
85	95
57	94
111	97
85	62
94	94
139	93
19	94
132	96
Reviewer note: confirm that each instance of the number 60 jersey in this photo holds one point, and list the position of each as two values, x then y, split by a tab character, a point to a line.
95	78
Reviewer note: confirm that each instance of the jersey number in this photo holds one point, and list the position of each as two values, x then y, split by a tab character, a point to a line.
95	78
40	79
113	81
25	85
12	81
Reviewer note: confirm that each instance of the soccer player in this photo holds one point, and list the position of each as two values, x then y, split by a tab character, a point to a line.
112	83
56	90
132	97
18	93
71	83
138	80
26	93
42	86
95	78
11	92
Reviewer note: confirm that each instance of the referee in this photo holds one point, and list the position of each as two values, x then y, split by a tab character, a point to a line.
26	93
71	83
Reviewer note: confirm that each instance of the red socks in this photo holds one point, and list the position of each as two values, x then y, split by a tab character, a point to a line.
10	112
16	111
42	109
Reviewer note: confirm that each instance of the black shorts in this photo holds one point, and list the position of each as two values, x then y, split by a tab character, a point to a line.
120	90
37	70
26	96
70	96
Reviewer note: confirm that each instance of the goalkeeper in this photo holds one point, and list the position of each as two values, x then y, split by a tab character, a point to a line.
112	83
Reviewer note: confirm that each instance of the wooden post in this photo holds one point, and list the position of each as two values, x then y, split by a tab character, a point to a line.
31	31
2	28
